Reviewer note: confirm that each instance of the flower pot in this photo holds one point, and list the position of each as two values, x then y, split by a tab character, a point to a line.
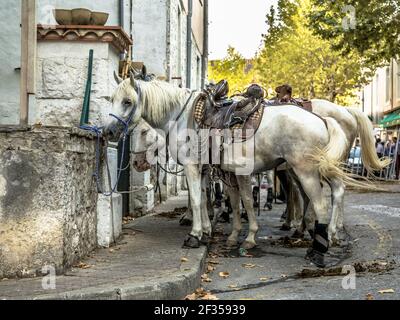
81	16
62	16
99	18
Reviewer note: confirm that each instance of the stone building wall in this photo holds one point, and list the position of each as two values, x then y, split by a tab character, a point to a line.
61	82
47	200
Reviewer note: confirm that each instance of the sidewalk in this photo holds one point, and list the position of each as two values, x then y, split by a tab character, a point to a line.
145	264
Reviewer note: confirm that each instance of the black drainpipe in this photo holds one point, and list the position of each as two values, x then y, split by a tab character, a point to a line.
124	182
189	46
205	46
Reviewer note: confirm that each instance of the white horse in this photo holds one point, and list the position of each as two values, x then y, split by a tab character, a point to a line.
354	123
310	146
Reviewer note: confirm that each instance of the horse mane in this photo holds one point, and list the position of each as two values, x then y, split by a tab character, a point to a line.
157	98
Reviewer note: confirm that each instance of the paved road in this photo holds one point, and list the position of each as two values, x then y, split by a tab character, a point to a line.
277	270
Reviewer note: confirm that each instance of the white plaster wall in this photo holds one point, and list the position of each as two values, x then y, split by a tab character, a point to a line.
174	69
10	59
149	20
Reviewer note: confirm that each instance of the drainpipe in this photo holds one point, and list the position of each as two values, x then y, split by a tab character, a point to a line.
121	14
205	46
189	45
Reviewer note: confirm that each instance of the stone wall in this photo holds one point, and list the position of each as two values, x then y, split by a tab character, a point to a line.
62	69
47	200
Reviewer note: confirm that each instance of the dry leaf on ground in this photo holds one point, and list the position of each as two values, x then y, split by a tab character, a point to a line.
209	296
210	268
205	278
213	262
82	265
264	279
386	291
183	259
192	296
369	296
232	286
224	274
248	265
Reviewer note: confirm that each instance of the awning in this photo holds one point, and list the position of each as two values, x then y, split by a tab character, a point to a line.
391	119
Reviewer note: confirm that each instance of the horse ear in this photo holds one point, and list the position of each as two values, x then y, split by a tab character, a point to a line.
133	81
117	78
144	72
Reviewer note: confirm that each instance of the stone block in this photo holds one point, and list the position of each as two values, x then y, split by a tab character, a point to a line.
109	219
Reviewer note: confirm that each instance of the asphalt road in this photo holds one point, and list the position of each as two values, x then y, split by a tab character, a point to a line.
276	268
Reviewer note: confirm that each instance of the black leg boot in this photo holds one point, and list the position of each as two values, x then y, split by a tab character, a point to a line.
320	245
270	199
255	197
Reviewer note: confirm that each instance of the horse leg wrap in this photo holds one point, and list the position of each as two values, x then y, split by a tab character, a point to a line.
321	242
320	245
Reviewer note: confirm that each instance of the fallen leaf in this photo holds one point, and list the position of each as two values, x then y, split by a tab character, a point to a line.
192	296
111	250
82	265
370	296
210	268
213	262
183	259
232	286
209	297
224	274
284	276
264	279
205	278
248	265
386	291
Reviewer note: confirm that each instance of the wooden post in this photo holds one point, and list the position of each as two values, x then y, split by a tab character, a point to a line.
28	56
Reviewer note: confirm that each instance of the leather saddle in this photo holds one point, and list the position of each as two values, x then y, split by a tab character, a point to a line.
284	97
215	110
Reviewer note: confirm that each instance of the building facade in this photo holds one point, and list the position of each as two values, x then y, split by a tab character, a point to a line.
47	192
381	98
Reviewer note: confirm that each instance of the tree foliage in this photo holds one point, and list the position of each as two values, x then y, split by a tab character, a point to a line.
293	54
234	68
371	27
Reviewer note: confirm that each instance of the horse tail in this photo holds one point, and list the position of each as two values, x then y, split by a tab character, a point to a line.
329	160
369	157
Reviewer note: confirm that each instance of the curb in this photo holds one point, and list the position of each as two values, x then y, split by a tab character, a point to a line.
177	287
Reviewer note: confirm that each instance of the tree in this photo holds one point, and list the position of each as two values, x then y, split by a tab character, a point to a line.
293	54
234	68
371	27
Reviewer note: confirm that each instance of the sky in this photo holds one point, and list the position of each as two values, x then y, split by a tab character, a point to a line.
237	23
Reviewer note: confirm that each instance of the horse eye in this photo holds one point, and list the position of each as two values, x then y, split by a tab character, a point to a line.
128	102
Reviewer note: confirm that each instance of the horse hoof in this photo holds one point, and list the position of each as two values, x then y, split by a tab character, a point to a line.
248	245
231	243
316	258
191	242
298	235
285	227
205	239
185	222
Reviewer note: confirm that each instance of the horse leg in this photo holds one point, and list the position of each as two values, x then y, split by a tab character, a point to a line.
205	218
233	194
337	188
187	218
310	181
194	185
245	191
